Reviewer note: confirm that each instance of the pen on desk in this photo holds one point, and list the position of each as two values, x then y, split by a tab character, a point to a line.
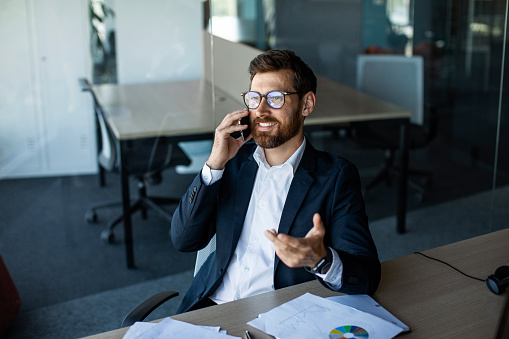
248	335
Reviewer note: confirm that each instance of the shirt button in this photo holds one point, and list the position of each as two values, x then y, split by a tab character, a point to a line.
271	176
261	205
255	238
246	269
206	177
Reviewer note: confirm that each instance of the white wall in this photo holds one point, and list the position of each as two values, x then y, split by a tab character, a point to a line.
158	40
46	123
19	119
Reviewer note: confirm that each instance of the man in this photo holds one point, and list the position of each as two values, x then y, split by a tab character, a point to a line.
283	213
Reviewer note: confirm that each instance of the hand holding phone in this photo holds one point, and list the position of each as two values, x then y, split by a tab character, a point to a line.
227	139
244	133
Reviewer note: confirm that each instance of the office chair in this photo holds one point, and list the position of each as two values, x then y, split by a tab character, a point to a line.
147	158
140	312
398	80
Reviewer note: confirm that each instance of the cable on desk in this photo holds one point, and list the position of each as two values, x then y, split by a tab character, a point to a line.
454	268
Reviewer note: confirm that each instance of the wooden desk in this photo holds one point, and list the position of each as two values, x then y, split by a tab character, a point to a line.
185	110
432	299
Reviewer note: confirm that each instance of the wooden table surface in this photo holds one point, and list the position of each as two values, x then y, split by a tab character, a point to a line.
185	107
431	298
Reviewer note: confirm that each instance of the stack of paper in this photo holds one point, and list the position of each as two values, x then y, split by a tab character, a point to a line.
309	316
365	303
174	329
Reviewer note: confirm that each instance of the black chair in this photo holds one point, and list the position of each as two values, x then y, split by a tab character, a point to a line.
147	158
143	310
398	80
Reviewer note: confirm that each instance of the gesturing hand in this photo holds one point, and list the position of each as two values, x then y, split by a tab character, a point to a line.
300	252
225	146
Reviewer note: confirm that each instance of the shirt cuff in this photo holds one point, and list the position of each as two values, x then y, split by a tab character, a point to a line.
210	176
335	272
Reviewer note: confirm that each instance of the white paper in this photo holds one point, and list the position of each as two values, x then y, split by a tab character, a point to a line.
365	303
173	329
137	329
309	316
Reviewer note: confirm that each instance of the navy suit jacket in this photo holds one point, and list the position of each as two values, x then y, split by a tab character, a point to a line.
323	183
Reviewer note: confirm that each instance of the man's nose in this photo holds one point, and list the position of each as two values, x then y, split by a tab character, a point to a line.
264	108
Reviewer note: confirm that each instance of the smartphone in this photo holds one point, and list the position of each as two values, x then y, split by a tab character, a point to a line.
247	132
244	133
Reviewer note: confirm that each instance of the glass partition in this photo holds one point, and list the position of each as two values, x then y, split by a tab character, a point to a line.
49	158
501	192
48	132
462	46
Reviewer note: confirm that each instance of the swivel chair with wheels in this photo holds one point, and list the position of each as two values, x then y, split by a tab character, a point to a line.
147	158
399	80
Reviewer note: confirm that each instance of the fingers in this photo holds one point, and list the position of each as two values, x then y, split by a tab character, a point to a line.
317	231
271	234
291	241
298	252
288	254
231	123
318	227
225	147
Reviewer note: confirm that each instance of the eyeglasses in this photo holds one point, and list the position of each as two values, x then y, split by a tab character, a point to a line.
275	99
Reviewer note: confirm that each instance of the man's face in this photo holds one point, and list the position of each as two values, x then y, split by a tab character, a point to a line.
273	127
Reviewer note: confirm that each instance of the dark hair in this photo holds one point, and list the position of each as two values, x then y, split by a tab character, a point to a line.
304	80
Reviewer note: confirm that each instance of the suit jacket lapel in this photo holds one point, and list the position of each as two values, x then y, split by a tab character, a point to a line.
299	188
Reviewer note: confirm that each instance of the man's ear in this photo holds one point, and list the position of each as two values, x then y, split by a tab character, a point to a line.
309	101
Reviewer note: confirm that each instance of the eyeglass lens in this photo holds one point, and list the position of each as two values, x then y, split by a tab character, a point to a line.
275	99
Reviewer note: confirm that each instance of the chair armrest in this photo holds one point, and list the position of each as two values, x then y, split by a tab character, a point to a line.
145	308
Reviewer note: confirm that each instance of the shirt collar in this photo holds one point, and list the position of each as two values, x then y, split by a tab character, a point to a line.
293	161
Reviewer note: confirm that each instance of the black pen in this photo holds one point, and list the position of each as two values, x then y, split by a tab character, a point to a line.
248	335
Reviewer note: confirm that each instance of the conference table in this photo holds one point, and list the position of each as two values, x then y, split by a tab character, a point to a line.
191	110
432	299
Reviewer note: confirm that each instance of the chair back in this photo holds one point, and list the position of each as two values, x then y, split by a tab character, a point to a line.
107	152
396	79
108	155
204	253
146	157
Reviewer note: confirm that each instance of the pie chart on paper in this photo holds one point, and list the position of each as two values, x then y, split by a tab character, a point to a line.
344	332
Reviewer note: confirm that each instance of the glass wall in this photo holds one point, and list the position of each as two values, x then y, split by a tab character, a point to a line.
133	51
462	44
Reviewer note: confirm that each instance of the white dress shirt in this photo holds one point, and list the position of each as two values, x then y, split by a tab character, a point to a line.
251	270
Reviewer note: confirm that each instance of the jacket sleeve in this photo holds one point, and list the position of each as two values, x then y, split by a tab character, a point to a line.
193	223
349	235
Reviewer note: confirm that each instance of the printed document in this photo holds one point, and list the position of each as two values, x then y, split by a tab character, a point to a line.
365	303
310	316
174	329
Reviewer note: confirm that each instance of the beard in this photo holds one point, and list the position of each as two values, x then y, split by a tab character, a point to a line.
283	133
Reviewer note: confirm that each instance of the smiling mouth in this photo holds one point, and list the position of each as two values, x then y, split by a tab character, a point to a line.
267	124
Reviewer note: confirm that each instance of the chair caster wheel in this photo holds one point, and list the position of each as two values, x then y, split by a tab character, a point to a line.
91	216
107	237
